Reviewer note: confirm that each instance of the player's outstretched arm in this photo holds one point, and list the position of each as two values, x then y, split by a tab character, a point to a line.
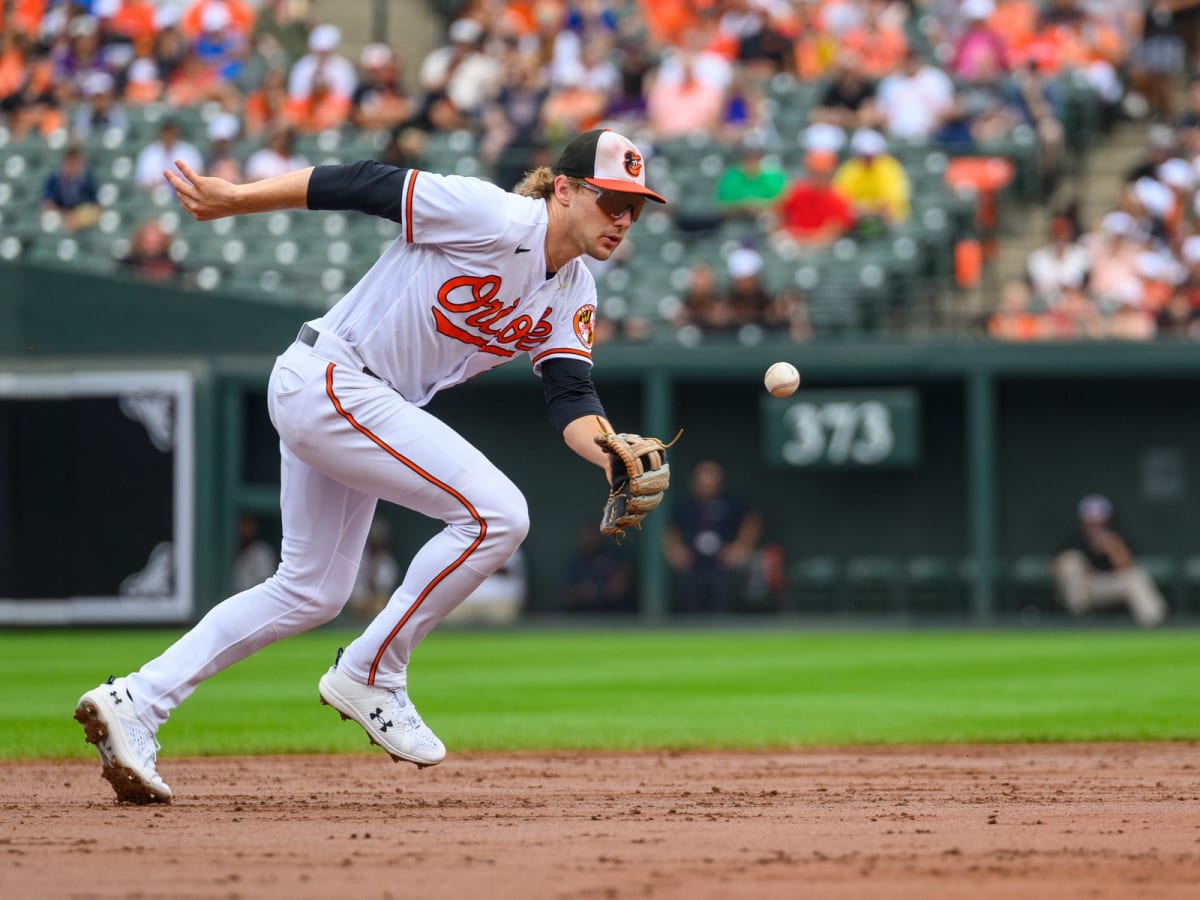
580	436
207	197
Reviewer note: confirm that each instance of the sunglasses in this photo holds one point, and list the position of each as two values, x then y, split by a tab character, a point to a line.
616	204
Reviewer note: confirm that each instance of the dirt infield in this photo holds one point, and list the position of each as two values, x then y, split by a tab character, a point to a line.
1107	821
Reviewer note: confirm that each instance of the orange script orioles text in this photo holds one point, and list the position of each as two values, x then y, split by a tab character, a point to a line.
487	317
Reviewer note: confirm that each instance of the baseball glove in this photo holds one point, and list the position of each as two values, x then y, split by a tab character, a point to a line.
640	475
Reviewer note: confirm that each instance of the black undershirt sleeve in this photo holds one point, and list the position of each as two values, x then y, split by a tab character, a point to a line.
365	186
570	394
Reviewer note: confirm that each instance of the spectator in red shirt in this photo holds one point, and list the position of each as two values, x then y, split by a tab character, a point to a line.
813	212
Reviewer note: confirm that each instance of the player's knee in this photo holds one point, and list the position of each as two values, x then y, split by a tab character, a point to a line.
315	595
512	526
503	519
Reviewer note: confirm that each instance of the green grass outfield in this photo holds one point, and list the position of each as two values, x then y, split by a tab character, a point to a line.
646	689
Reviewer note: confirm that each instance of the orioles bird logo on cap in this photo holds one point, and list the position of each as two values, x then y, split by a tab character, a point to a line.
633	163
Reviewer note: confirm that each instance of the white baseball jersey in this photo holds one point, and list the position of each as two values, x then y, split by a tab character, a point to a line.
463	290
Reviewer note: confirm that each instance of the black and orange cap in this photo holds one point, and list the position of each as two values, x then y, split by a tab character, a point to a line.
608	160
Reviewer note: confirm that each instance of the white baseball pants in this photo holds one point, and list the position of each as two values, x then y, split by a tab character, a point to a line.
346	439
1083	589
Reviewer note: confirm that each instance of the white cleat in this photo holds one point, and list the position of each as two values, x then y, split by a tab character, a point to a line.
128	749
388	717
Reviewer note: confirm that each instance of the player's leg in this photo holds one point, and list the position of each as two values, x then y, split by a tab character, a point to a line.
1071	579
1142	596
381	445
325	525
486	519
391	449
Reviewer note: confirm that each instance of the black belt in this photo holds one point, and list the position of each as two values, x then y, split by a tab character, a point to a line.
308	335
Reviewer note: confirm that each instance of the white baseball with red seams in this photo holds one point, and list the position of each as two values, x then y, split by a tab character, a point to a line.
463	290
781	379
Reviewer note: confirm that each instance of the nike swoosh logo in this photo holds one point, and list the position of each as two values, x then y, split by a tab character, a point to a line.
521	249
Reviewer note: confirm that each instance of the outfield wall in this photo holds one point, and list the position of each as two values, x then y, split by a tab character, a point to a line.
1007	439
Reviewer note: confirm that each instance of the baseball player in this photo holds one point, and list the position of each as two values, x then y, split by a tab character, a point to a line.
478	277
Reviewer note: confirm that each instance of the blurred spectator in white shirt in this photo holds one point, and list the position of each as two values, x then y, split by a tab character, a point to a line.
461	70
101	111
321	64
916	100
161	155
1059	265
1113	251
276	158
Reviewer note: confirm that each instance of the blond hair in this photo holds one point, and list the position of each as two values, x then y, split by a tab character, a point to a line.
538	183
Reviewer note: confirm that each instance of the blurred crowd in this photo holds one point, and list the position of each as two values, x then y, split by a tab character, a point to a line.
522	76
1134	274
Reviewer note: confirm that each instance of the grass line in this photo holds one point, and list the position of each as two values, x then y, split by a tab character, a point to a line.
646	689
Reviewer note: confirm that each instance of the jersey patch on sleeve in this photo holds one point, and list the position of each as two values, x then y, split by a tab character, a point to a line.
585	324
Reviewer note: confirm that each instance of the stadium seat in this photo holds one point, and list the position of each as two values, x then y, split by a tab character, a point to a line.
875	584
1185	599
934	585
1029	588
814	585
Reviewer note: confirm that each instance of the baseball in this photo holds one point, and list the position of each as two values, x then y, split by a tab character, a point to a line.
782	379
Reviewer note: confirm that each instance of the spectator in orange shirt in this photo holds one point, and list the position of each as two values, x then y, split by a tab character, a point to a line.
1014	21
35	107
1013	319
573	107
135	20
880	46
267	107
194	83
668	20
13	48
324	107
26	17
814	49
240	16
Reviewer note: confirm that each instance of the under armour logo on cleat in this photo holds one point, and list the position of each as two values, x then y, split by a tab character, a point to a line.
115	697
377	717
521	249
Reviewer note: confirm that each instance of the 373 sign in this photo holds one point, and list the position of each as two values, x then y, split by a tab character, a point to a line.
851	428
